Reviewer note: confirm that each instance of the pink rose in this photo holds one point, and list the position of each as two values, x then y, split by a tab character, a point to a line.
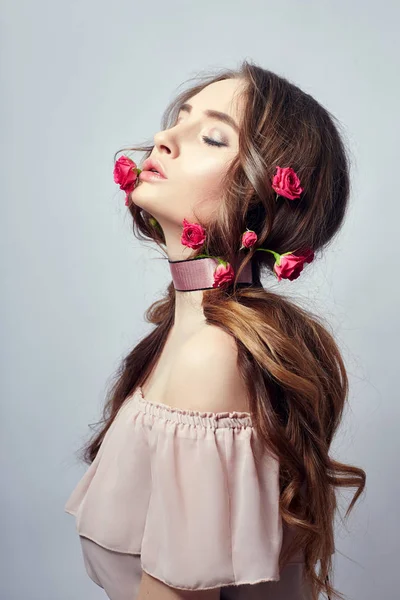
125	173
286	183
223	274
249	238
291	265
193	235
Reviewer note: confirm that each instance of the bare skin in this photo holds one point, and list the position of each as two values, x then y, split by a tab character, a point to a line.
194	172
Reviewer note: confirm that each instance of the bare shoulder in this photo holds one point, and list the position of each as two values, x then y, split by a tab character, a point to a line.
205	375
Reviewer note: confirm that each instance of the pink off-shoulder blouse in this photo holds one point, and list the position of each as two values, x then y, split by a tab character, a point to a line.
190	497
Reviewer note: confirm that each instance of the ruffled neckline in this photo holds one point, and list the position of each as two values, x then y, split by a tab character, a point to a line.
212	419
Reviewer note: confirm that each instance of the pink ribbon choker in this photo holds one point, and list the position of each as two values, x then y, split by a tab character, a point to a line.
195	274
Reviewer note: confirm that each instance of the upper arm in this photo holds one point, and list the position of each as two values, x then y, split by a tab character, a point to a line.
151	588
205	375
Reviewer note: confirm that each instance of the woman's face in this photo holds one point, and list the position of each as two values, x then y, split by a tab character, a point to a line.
195	154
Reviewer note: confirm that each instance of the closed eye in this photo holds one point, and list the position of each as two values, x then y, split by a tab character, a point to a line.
212	142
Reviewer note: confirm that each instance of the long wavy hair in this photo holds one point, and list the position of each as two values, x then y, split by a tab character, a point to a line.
291	363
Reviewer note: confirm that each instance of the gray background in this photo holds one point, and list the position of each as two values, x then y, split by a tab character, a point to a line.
79	80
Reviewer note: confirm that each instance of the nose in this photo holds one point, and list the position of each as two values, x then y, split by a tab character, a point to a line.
165	142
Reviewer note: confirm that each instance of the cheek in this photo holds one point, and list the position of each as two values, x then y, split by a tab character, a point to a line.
201	188
204	175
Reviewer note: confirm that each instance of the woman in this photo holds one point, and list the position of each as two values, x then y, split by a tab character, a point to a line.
210	476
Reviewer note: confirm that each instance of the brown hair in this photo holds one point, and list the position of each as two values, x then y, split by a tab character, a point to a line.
292	365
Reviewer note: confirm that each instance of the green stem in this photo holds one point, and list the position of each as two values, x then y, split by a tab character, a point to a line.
276	254
221	262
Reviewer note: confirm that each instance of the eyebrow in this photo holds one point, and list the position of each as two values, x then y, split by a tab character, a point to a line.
212	114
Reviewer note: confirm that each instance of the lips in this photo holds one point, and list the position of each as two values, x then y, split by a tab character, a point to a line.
153	164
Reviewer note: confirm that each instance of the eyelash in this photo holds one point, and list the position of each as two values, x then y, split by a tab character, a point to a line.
211	142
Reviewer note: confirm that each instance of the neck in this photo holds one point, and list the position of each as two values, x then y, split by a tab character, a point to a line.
189	314
191	277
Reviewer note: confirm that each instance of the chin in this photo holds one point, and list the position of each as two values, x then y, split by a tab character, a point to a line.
140	195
